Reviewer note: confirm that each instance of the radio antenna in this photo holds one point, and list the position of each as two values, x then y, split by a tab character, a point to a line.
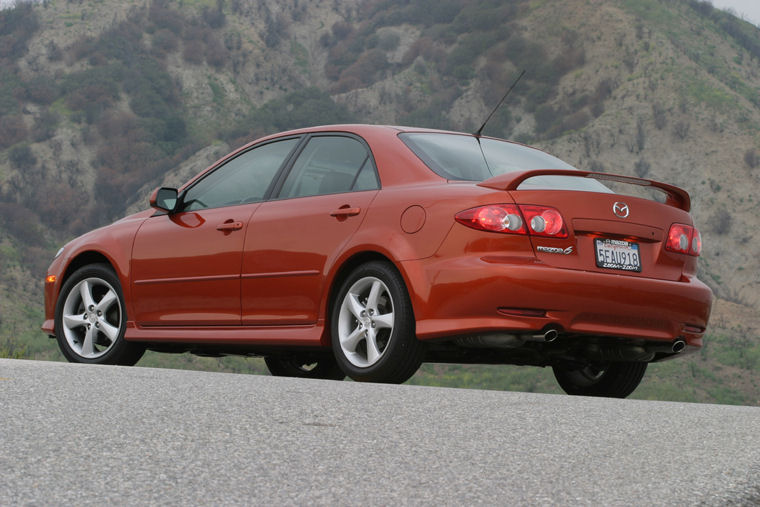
480	130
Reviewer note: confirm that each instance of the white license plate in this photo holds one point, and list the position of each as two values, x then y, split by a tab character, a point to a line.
617	254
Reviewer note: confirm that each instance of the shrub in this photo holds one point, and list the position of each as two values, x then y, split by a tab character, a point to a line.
751	158
40	90
216	54
17	27
164	41
45	125
389	41
21	157
641	168
681	129
720	221
12	130
193	51
660	116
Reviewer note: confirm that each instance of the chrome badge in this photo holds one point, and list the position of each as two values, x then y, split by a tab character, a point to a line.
621	209
549	249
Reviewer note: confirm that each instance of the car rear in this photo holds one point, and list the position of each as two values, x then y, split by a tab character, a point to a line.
548	251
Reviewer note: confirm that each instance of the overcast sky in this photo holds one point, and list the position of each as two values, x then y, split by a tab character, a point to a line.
747	9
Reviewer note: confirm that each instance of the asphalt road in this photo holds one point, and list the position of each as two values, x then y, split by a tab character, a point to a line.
73	434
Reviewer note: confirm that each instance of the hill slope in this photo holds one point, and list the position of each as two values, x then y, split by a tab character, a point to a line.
101	101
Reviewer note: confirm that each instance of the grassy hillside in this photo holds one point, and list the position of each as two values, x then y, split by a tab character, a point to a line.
100	101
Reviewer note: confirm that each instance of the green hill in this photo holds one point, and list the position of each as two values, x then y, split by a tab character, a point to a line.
101	101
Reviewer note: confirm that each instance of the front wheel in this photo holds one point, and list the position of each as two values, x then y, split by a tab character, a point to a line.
90	319
373	327
612	380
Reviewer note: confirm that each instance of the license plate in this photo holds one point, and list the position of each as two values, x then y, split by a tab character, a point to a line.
617	254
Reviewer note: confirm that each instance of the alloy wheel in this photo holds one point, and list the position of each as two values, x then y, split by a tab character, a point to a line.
365	323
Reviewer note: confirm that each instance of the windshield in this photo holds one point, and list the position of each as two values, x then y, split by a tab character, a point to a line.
458	157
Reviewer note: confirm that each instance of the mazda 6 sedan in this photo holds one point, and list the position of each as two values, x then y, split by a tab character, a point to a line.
363	251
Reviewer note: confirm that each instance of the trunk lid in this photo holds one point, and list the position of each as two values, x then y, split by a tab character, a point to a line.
606	230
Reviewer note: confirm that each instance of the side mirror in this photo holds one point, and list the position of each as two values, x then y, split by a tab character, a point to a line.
164	199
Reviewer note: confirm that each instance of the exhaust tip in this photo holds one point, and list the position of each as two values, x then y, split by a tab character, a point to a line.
550	335
678	346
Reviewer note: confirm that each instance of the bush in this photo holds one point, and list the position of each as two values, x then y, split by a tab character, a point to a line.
193	52
751	158
17	27
40	90
681	129
12	131
21	157
45	126
641	168
389	41
660	116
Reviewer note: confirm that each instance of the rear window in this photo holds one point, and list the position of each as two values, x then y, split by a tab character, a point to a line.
460	157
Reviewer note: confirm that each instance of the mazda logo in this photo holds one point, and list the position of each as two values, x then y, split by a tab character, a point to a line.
621	209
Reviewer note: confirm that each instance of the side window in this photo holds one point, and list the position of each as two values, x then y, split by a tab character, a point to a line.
330	165
242	180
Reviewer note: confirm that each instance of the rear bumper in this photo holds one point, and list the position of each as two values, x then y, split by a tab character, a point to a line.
468	295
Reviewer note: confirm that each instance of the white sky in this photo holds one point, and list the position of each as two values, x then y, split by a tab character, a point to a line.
746	9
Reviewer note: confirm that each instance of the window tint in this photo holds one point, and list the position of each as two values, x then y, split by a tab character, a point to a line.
242	180
459	157
330	165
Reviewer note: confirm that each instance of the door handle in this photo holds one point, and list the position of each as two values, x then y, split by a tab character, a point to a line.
230	226
346	212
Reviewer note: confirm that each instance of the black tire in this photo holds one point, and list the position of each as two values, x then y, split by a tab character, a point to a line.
613	380
104	321
366	347
305	366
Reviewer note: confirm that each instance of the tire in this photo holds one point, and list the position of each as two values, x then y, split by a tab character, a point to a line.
302	366
90	319
613	380
373	328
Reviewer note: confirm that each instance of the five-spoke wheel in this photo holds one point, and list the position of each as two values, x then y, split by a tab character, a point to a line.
373	326
91	319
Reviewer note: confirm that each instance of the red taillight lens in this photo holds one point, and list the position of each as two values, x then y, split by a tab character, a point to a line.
544	221
696	243
684	239
509	218
494	218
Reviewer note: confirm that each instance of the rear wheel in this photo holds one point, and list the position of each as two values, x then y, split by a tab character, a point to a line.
90	319
372	326
612	380
305	366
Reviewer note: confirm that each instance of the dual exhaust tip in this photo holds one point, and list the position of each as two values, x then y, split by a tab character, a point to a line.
552	334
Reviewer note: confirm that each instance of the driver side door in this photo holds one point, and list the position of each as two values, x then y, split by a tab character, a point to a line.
186	265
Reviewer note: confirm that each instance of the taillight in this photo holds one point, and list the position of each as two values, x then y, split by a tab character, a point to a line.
684	239
514	219
544	221
494	218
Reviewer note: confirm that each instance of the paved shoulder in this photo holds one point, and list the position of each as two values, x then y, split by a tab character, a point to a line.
74	434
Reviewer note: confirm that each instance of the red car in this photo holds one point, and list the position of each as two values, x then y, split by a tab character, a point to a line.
365	250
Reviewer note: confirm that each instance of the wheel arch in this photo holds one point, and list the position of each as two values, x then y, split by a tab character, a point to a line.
85	259
343	271
91	256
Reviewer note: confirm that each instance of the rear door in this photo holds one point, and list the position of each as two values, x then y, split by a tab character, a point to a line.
293	239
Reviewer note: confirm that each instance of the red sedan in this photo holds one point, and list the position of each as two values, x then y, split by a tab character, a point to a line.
365	250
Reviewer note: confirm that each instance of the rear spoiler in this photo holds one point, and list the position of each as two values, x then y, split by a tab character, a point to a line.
677	197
